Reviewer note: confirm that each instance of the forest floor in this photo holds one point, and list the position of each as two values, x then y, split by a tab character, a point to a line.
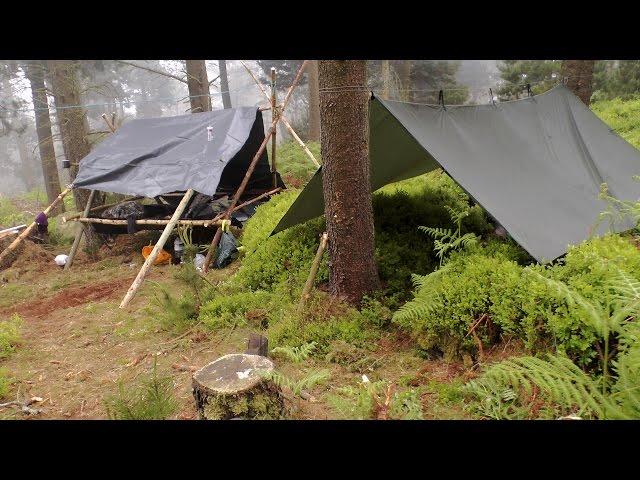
77	345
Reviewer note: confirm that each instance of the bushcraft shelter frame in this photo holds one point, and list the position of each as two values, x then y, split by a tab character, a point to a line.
220	221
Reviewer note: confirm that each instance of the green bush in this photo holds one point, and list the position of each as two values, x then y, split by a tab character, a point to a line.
608	392
274	269
449	301
224	311
400	248
285	257
488	281
622	116
9	335
322	321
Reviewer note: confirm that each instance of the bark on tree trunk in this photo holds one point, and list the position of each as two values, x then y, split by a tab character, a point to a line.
579	75
314	102
74	129
346	184
198	85
224	84
26	164
35	73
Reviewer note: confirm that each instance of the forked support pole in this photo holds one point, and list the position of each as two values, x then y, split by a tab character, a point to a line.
156	250
76	241
306	292
252	166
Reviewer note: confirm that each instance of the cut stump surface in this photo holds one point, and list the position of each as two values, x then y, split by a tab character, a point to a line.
234	386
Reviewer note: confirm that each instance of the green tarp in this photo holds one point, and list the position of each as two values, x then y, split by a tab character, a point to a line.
536	164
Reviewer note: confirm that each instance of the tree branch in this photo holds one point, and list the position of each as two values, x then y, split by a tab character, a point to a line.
152	70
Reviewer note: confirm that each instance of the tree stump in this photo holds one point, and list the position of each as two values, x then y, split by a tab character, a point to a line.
234	386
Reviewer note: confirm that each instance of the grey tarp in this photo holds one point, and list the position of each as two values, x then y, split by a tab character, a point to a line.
153	156
534	164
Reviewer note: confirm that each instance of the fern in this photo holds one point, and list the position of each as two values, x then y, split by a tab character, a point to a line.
613	395
295	354
425	301
298	385
446	240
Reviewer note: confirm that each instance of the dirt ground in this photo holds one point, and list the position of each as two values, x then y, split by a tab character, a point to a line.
78	344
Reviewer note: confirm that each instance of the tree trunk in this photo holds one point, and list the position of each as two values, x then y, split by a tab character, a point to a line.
314	102
579	77
346	184
224	84
404	72
27	165
198	85
74	129
35	73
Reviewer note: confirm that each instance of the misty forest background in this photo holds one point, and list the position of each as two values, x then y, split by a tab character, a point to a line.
158	88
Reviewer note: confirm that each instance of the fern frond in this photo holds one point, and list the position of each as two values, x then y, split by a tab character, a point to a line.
437	232
595	316
424	304
295	354
297	386
311	380
464	241
558	377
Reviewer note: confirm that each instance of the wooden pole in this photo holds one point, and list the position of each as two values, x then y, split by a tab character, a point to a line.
76	241
28	230
87	207
314	269
156	250
195	223
274	115
252	166
245	180
117	221
283	118
299	140
108	122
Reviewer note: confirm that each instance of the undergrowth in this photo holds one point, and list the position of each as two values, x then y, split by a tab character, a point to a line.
5	382
150	399
482	296
9	335
608	392
622	116
376	400
294	165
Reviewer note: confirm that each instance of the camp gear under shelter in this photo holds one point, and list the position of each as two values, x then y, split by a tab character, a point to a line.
154	156
535	164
